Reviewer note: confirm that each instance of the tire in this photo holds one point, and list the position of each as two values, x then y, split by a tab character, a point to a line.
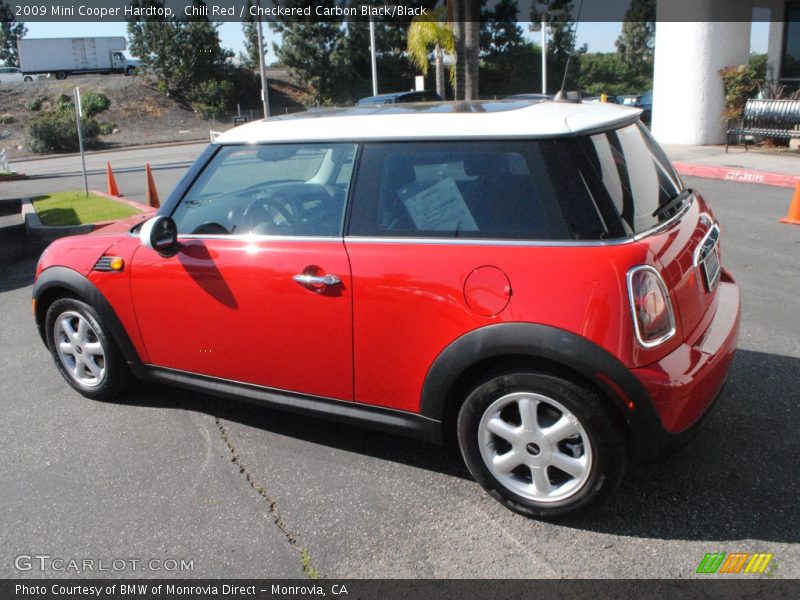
130	71
590	444
28	79
89	360
61	75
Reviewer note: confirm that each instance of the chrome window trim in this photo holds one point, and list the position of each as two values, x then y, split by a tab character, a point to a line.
663	286
450	241
247	237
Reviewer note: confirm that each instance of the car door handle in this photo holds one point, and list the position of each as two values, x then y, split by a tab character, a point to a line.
306	279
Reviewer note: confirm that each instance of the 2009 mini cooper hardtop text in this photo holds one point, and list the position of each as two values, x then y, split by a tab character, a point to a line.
532	278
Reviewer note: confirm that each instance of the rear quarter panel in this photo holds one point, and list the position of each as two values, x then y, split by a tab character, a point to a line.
409	304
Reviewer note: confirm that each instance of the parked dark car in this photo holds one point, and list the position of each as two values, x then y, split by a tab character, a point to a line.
400	97
644	101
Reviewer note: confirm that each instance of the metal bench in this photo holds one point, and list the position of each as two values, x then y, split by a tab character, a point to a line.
767	118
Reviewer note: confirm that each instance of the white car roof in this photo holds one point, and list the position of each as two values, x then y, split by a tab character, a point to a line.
435	120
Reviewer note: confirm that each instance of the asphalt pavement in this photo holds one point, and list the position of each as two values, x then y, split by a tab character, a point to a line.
59	173
248	492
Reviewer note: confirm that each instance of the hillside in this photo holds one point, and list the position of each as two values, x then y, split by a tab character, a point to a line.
141	115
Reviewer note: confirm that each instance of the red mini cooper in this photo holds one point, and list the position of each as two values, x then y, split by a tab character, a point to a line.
532	280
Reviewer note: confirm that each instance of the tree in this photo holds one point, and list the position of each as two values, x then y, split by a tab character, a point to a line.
250	57
509	63
10	32
186	58
499	30
307	50
637	40
426	31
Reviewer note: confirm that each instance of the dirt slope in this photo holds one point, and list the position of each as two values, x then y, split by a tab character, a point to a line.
141	114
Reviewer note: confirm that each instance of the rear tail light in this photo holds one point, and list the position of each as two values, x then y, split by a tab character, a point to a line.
653	319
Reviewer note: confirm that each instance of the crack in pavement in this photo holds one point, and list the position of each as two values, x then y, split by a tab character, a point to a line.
305	557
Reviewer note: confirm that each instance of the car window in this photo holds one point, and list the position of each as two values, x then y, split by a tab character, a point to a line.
634	173
492	190
277	189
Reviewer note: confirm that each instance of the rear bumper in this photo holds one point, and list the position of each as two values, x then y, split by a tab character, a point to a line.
684	384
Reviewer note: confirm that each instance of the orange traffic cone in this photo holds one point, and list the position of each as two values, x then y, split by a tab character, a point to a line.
152	193
793	216
113	190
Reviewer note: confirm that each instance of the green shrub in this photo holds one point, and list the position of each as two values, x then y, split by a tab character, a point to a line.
35	104
94	102
741	83
211	96
106	128
64	103
56	131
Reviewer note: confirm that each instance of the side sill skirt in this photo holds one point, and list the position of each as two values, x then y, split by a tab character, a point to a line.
383	419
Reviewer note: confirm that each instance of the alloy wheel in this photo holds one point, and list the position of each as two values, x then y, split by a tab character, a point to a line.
535	447
79	349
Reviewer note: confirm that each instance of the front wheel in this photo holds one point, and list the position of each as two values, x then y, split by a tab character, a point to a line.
543	446
83	350
28	79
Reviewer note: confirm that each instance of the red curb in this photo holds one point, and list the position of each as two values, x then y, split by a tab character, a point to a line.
738	175
132	203
143	208
14	177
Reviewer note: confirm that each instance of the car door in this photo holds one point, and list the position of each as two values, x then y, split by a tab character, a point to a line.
260	291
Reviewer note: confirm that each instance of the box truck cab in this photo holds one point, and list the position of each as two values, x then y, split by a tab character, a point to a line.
66	56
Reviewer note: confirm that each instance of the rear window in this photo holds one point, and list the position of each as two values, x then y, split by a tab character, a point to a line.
529	190
627	168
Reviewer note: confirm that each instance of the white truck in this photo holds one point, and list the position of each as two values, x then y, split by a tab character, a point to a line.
65	56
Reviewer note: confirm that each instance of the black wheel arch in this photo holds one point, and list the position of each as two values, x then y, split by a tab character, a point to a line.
59	282
505	346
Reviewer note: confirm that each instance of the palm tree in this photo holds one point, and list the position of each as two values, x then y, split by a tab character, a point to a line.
426	31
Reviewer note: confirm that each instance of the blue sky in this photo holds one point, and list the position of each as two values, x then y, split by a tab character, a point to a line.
600	37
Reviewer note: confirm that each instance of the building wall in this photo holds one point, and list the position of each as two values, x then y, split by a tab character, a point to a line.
777	14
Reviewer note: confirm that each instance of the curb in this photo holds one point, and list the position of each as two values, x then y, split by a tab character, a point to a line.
14	177
738	175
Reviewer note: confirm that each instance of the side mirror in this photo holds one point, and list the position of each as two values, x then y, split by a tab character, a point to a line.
160	234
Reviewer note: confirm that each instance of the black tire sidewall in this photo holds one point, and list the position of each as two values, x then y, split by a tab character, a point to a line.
117	372
606	437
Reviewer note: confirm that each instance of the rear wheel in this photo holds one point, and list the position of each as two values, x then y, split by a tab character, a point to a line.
28	78
541	445
83	350
61	75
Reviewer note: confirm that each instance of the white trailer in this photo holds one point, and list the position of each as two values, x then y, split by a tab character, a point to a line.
65	56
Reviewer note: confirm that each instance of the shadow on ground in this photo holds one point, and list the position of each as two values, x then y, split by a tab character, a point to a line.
17	260
736	480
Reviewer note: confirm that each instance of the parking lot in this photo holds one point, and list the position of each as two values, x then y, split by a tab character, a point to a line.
245	492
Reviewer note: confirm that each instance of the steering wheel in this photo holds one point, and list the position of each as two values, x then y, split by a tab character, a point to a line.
210	228
271	212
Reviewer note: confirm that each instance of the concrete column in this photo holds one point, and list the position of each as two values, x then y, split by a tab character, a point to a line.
688	98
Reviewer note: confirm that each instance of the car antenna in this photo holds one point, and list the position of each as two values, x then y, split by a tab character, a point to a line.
562	95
